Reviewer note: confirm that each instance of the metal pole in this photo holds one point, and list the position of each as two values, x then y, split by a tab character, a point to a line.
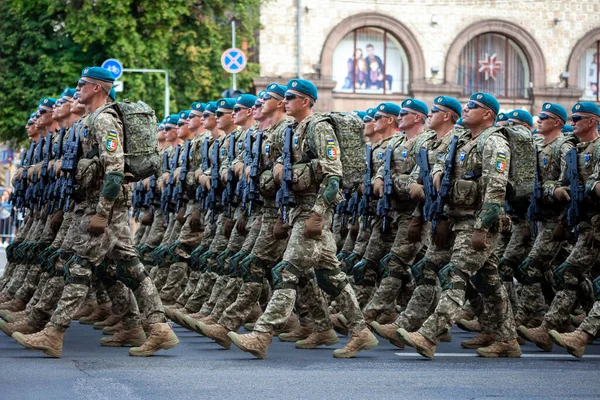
299	40
157	71
233	45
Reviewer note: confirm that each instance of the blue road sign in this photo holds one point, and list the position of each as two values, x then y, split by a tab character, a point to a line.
233	60
114	66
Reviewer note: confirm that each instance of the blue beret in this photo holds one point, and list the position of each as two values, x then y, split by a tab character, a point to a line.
303	87
112	94
33	115
172	119
555	109
99	73
502	117
225	104
370	114
197	108
161	127
416	106
486	100
521	116
459	123
68	92
47	102
388	109
277	90
567	129
360	114
586	107
448	102
261	94
185	114
246	100
211	107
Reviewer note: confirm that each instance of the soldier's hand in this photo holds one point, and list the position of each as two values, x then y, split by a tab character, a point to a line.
197	174
205	181
280	230
378	187
441	238
437	181
97	224
479	240
224	175
228	227
195	221
147	219
240	225
176	174
146	183
238	168
247	172
164	178
56	221
416	192
57	167
562	195
414	230
313	226
278	173
180	217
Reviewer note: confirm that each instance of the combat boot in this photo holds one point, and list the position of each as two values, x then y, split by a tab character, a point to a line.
300	333
249	326
254	314
50	341
360	341
111	330
15	304
387	318
255	343
538	336
467	315
574	342
218	333
134	337
4	298
18	326
316	339
179	317
100	314
161	337
388	331
170	311
337	325
509	348
12	316
481	340
576	320
290	325
445	337
110	321
424	346
85	310
469	325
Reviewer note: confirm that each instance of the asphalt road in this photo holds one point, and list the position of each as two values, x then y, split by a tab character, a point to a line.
200	368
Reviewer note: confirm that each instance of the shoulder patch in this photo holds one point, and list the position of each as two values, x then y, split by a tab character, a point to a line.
501	162
112	140
332	150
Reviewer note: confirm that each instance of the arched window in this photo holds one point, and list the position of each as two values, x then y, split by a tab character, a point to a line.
370	60
493	63
588	73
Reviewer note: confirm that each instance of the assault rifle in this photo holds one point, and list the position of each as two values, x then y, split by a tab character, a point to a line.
228	193
535	205
384	205
211	198
576	191
252	192
241	190
437	209
178	193
42	184
365	200
168	189
55	183
425	177
21	188
69	164
284	198
200	191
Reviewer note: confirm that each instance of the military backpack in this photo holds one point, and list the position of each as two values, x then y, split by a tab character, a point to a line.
350	133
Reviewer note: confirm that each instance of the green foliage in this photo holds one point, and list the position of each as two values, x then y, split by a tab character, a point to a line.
45	44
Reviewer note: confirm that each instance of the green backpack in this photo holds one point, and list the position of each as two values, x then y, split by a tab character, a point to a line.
523	161
350	133
140	132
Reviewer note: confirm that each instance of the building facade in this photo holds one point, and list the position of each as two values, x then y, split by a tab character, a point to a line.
360	53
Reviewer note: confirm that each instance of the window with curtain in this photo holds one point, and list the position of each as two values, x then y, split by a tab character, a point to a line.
370	60
495	64
588	73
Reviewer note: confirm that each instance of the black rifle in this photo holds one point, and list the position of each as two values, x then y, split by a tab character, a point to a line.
200	191
32	189
241	190
69	164
352	207
41	190
21	189
384	205
228	193
55	183
534	211
284	198
365	200
425	177
168	189
179	192
437	209
137	199
252	192
576	190
211	198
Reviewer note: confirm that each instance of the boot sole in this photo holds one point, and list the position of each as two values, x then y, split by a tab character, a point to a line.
474	346
225	343
544	346
512	354
163	346
421	350
291	339
315	345
372	343
466	328
258	354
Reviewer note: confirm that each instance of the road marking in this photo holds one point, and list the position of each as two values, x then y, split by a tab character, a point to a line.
437	355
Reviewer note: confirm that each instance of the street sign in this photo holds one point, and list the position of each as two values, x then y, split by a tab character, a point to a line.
118	86
114	66
233	60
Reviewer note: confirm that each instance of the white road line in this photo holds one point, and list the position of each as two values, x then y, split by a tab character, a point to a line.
527	355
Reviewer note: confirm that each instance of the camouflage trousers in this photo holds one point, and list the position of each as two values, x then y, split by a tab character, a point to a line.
303	256
202	292
30	283
468	262
396	269
139	233
591	324
583	256
41	311
190	287
536	272
115	244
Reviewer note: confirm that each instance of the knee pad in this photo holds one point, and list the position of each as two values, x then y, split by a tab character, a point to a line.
417	272
559	277
507	268
480	281
524	272
171	252
107	278
131	279
77	280
358	272
221	261
351	261
445	275
400	272
203	260
195	257
234	263
327	285
245	266
278	282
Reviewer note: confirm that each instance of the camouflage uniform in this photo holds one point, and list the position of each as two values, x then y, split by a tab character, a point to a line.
469	201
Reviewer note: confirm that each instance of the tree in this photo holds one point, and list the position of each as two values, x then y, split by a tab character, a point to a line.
46	43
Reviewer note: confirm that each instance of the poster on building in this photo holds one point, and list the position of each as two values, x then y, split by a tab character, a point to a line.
588	74
370	60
